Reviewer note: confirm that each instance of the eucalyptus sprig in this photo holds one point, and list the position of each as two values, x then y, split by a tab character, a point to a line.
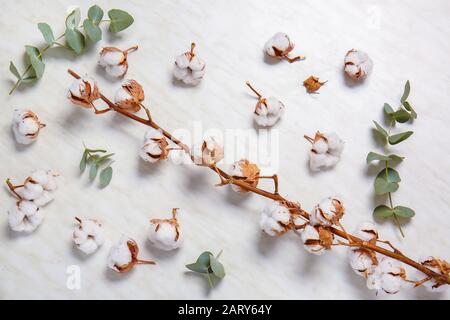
388	179
97	159
75	40
209	265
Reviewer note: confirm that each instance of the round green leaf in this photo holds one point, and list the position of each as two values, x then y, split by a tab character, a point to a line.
202	264
387	181
383	211
120	20
92	30
217	268
73	19
35	60
106	176
95	14
404	212
47	33
397	138
75	39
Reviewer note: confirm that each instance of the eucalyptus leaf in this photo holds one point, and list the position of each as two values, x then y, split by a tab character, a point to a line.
47	33
404	212
73	19
92	30
372	156
93	171
217	268
83	161
202	264
405	92
383	211
35	58
106	176
396	157
409	107
401	115
380	129
399	137
29	79
75	40
386	181
120	20
14	70
95	14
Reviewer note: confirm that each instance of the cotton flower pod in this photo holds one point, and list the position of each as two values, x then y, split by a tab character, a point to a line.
123	256
326	150
279	46
31	190
25	216
165	233
316	239
327	213
358	65
362	261
245	171
47	179
268	111
115	61
88	235
367	232
129	96
210	153
275	219
388	276
155	146
189	68
439	266
26	126
83	92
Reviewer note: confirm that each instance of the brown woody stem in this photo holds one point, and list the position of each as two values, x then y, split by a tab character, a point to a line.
253	89
353	240
295	58
13	188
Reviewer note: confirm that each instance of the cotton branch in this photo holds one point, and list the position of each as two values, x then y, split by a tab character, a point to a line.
294	208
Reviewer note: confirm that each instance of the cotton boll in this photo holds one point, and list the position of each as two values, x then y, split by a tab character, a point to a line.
325	151
155	146
83	92
31	190
25	216
189	68
388	276
335	144
51	184
26	126
268	111
362	261
275	219
245	171
88	235
437	265
209	152
327	213
120	257
279	45
115	61
316	239
358	65
165	234
129	96
43	199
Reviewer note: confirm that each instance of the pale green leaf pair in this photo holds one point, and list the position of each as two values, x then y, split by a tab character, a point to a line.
372	156
96	162
384	211
392	139
120	20
209	265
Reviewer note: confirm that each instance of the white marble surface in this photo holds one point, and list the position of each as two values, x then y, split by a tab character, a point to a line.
406	40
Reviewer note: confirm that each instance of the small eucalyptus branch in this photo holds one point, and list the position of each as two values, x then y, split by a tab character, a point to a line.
294	208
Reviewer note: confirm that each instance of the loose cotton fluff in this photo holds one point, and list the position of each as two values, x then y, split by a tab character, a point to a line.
327	212
357	64
388	276
129	96
268	111
326	151
26	126
154	147
88	235
209	152
165	234
361	260
25	216
115	61
246	171
36	192
189	68
83	92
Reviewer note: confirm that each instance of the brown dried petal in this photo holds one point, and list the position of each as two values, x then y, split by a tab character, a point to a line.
312	84
136	92
326	237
